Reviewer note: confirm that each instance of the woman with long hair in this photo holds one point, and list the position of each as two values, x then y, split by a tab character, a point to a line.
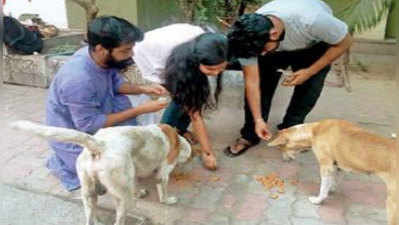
184	70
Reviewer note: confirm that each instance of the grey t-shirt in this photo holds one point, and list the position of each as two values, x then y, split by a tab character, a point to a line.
306	23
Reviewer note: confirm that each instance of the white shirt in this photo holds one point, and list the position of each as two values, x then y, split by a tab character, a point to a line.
151	54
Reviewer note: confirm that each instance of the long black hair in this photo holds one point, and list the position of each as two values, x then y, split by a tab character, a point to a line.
188	86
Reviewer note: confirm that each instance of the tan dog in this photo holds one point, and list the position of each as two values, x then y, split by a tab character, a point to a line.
338	143
114	157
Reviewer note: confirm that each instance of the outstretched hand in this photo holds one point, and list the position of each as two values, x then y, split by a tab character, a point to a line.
156	89
262	130
297	78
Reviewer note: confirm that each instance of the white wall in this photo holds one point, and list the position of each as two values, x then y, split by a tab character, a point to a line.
51	11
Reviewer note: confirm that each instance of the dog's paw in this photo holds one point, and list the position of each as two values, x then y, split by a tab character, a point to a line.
170	200
142	193
315	200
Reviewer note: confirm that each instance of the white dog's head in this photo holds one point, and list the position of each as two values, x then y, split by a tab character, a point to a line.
185	152
180	149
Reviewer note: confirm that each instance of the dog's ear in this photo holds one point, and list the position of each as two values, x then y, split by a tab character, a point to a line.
281	139
174	142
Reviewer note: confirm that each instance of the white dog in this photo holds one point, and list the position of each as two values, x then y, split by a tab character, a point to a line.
113	158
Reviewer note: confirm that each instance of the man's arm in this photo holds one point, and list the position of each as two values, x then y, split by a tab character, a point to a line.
151	106
328	29
83	103
128	88
332	53
89	119
121	86
252	93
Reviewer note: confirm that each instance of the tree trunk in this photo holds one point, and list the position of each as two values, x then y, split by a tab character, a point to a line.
392	21
90	8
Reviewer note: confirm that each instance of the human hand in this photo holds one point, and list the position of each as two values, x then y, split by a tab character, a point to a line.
155	89
262	130
153	105
297	78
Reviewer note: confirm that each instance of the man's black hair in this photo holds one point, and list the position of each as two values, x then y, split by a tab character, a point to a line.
111	32
248	35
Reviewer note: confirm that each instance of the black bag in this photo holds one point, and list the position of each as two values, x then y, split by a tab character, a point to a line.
19	38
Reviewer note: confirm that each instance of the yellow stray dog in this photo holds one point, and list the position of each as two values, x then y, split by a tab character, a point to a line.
341	144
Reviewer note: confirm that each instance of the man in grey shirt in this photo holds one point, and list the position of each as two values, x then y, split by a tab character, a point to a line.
302	34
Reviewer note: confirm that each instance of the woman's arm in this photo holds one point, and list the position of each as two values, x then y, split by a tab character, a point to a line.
201	132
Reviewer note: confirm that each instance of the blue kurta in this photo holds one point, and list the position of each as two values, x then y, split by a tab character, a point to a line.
80	97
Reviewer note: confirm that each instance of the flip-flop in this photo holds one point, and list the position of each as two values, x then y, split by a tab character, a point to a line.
227	151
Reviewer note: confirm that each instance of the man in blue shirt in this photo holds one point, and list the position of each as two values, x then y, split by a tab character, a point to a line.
88	92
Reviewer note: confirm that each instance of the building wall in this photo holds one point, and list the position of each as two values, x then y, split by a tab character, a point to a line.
157	13
147	14
122	8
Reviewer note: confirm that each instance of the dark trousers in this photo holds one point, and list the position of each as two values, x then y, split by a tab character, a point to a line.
305	96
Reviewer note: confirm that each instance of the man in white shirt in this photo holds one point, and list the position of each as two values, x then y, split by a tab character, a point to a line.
302	34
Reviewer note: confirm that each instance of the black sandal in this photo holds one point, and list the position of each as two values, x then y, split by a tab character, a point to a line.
240	141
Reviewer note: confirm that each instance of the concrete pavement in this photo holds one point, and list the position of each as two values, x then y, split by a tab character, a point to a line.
229	196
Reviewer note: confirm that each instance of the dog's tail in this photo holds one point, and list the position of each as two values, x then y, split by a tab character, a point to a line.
61	134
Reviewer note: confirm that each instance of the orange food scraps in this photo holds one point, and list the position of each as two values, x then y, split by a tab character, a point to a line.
215	178
270	182
273	196
180	176
184	177
294	182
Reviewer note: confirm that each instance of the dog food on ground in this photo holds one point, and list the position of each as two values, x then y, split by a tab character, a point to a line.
183	177
214	178
270	182
190	177
273	196
294	182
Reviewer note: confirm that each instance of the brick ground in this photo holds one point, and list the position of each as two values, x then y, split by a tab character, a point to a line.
229	195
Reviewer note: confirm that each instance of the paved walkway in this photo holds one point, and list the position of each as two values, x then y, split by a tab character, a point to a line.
231	195
22	207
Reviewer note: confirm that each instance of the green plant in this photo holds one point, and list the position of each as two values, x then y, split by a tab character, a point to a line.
360	15
210	10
